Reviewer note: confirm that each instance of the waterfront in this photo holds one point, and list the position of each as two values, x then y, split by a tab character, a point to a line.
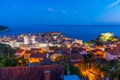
78	59
84	32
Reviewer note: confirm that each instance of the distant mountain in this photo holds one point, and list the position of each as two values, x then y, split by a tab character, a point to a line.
2	28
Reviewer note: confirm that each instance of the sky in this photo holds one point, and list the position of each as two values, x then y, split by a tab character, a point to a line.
59	12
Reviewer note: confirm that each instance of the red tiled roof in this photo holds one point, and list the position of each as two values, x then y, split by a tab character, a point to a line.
32	73
19	51
76	43
78	49
118	44
30	51
115	50
38	55
67	51
98	50
76	56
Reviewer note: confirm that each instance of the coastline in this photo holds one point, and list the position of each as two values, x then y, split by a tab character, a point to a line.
4	28
84	33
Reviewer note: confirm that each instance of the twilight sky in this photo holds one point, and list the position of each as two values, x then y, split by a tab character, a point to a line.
22	12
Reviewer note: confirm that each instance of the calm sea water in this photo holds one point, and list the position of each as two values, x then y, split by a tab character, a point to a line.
83	32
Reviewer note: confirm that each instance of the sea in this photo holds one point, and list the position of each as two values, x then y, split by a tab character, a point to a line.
82	32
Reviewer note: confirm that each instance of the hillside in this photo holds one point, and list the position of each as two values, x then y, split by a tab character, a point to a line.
3	28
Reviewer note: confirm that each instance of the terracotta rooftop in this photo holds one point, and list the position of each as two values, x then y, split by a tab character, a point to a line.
32	73
76	56
115	50
38	55
97	51
19	51
78	49
76	44
30	52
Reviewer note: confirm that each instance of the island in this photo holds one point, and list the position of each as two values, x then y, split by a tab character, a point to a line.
3	28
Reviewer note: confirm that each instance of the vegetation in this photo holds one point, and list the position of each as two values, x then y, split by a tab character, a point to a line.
90	71
7	58
6	50
3	28
99	69
89	43
107	37
55	48
102	39
7	61
22	62
114	72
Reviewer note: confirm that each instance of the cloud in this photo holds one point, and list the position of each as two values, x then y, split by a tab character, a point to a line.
114	4
51	9
55	10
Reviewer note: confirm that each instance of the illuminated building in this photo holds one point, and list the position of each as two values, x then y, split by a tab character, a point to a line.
26	40
32	40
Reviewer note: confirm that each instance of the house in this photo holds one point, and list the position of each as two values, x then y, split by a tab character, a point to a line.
37	57
76	58
76	49
20	53
46	72
76	45
40	50
33	51
83	52
28	53
89	48
67	43
43	45
78	41
66	51
99	53
55	57
113	53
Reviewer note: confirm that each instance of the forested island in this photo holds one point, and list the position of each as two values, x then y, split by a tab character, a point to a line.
2	28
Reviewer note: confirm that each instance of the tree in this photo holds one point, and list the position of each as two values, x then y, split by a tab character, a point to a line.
114	73
21	61
7	61
3	28
98	43
107	37
6	50
89	43
7	58
90	71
